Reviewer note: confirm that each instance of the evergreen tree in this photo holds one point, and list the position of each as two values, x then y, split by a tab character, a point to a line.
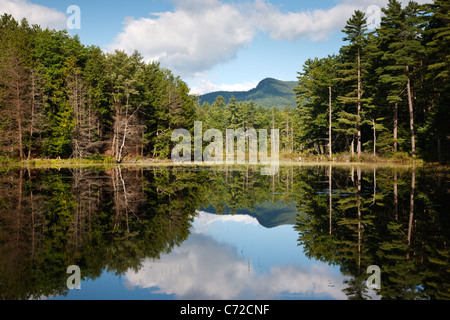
316	98
400	41
351	72
436	131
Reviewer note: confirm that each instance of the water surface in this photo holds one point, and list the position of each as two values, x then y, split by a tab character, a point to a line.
225	233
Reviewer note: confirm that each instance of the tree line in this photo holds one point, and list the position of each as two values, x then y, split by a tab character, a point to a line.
386	91
249	115
59	98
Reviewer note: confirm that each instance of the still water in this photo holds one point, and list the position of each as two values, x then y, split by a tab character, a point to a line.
225	233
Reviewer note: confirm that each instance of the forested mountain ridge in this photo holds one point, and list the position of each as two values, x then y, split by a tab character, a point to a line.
269	93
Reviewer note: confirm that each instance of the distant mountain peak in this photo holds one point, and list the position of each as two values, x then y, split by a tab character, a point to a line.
268	93
268	81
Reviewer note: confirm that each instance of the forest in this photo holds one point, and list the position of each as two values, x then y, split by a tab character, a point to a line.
61	99
384	95
387	91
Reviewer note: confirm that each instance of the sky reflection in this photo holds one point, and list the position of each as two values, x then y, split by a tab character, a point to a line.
233	257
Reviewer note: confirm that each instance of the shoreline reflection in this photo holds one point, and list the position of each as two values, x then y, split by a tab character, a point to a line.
307	233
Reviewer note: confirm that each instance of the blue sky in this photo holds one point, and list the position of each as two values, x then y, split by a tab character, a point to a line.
211	44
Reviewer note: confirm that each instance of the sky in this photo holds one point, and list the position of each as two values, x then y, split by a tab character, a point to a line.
212	45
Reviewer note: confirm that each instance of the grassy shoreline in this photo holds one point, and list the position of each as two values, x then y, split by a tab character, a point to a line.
284	161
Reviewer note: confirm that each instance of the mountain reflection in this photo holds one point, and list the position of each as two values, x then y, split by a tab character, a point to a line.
139	223
206	268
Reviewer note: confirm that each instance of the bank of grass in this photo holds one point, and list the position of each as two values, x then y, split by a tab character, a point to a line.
103	161
400	158
285	159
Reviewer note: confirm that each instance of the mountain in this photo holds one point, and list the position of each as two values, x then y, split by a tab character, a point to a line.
269	92
268	214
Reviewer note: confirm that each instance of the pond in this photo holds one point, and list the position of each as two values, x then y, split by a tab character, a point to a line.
310	232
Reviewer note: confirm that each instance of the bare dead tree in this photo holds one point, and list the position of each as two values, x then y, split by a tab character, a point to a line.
16	97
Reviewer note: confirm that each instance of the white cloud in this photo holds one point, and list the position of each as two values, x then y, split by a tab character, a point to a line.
35	14
315	24
195	37
205	269
312	24
198	35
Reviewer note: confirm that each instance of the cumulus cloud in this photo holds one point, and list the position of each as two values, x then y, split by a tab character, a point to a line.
34	13
311	24
198	35
206	269
195	37
316	25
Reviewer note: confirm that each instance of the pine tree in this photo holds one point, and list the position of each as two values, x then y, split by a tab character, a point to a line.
98	108
437	41
314	102
351	72
400	41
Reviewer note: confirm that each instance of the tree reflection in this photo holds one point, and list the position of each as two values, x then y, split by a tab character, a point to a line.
391	218
109	219
114	218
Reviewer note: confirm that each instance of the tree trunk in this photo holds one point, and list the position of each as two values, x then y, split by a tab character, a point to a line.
411	208
358	170
396	127
352	147
19	121
33	103
374	185
330	178
374	139
411	115
292	138
396	195
19	208
287	133
119	156
329	129
359	148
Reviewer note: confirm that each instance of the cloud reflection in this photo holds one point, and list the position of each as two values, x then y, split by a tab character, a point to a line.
203	268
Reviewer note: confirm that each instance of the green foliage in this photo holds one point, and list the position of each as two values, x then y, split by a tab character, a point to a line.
78	102
395	76
313	101
389	93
